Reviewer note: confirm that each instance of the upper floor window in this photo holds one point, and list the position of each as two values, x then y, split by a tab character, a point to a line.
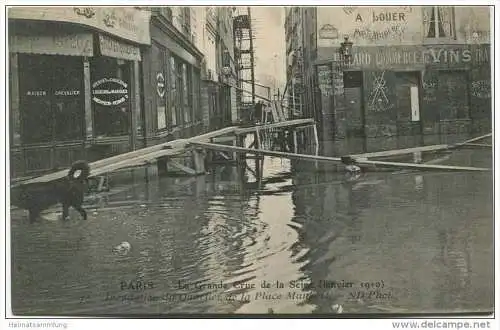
439	22
186	20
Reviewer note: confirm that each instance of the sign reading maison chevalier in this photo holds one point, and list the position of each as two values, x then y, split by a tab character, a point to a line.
125	22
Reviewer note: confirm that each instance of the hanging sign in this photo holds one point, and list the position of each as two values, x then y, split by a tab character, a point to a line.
160	84
110	91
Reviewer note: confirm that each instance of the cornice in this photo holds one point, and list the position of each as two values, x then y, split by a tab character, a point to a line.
167	27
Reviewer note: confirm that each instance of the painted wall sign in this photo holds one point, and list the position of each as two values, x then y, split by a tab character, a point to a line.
328	31
481	89
372	25
63	44
125	22
110	91
114	48
66	93
160	84
36	93
413	56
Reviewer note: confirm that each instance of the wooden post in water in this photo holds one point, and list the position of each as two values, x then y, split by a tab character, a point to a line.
199	160
295	144
316	139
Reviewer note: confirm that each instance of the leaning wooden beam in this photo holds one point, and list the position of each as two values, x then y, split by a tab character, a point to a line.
388	153
181	167
474	139
137	161
480	145
437	147
335	159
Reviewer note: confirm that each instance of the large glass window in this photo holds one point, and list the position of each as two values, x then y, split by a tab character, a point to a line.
110	88
186	94
159	80
51	98
196	96
173	91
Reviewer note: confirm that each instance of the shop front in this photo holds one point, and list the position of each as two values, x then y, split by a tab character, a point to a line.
74	89
172	82
407	91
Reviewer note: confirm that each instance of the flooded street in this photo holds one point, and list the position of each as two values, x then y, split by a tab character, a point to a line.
303	240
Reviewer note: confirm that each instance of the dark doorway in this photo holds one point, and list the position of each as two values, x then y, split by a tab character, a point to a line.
407	87
353	91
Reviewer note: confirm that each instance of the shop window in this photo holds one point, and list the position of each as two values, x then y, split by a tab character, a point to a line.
173	92
196	96
439	22
51	98
186	94
110	85
160	83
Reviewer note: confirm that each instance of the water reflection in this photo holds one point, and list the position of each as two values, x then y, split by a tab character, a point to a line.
297	239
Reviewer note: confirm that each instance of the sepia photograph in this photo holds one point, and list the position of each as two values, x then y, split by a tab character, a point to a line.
262	161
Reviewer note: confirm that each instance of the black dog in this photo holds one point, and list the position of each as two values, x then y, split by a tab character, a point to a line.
68	191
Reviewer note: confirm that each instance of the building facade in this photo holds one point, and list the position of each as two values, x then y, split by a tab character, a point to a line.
415	70
74	84
172	77
294	90
92	82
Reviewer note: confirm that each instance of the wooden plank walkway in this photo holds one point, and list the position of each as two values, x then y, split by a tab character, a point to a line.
335	159
133	158
171	148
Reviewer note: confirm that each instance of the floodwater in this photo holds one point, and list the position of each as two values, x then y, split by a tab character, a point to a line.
299	240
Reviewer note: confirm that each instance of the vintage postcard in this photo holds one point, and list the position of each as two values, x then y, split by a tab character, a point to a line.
250	160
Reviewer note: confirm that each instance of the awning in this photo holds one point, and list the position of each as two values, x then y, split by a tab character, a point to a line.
61	44
118	49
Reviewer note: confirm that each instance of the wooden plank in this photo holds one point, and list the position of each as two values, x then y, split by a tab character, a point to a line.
388	153
288	123
474	139
335	159
480	145
437	147
222	139
181	167
279	109
276	118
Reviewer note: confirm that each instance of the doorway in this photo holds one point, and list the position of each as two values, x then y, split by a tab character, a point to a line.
353	92
407	88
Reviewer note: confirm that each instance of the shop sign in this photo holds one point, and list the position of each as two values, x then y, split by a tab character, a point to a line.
61	44
36	93
124	22
417	56
110	91
67	93
117	49
160	84
328	31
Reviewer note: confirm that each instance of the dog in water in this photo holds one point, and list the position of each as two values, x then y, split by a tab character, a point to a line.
69	191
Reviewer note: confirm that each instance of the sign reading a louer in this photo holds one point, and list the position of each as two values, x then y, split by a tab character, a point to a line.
110	91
